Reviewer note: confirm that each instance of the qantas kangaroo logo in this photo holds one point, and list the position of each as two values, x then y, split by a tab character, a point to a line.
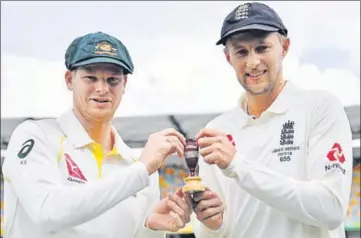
74	170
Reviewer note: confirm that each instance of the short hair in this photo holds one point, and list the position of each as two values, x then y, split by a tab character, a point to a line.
104	66
253	34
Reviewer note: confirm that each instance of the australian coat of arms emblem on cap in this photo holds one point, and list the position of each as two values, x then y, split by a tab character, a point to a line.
105	47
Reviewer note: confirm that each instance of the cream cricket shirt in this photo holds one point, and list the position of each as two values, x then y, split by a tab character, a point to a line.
291	176
58	184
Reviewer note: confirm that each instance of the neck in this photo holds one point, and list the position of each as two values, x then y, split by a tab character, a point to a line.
257	104
98	131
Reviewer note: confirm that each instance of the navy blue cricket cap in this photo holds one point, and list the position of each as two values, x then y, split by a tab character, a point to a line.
251	16
98	47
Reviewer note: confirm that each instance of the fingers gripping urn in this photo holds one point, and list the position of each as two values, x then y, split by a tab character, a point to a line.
193	182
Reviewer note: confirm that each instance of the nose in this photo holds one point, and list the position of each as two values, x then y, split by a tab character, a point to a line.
253	61
101	87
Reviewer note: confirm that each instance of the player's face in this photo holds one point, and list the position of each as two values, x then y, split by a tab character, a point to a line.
97	90
257	60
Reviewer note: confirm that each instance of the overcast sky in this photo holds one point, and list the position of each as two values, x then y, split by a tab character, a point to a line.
178	67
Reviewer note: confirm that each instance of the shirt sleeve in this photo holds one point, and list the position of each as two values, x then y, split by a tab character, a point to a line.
31	168
152	200
322	199
211	176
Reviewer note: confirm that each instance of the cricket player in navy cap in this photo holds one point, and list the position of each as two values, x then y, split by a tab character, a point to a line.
279	165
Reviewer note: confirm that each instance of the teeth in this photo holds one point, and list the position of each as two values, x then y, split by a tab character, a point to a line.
256	75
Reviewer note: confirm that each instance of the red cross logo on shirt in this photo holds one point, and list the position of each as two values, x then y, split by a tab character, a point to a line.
336	153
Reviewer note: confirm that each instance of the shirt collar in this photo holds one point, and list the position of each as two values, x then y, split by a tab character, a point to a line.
77	135
122	148
74	130
282	102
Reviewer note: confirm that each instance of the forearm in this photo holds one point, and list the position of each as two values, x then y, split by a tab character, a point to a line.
153	199
56	207
311	202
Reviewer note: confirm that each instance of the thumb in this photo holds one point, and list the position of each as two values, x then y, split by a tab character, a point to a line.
179	192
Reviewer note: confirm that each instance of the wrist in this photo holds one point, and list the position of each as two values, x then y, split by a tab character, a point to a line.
229	171
217	227
147	166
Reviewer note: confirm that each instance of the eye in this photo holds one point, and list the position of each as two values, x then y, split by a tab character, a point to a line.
242	52
90	78
113	81
261	48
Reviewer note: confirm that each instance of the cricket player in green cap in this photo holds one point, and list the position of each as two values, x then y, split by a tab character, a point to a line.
74	176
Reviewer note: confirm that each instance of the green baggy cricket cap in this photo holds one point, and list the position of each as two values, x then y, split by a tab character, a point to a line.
98	48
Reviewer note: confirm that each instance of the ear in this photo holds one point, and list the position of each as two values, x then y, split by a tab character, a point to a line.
285	47
69	80
226	53
125	80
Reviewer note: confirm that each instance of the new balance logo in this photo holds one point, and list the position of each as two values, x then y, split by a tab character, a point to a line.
74	172
336	153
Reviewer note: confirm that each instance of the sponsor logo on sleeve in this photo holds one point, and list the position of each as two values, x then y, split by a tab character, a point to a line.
26	148
336	154
336	157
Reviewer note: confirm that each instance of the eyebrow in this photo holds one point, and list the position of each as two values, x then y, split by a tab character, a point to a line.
238	44
112	69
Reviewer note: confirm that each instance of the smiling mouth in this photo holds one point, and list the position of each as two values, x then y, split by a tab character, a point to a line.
256	75
101	101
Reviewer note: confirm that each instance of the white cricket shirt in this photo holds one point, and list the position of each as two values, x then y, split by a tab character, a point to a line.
58	184
291	175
